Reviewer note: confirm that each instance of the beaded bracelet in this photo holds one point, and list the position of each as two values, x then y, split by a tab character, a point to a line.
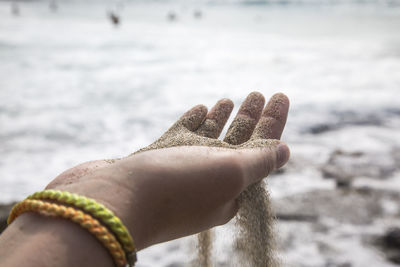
77	216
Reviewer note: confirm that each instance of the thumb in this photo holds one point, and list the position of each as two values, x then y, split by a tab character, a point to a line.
257	163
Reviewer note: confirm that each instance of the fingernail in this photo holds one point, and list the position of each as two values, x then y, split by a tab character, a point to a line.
283	155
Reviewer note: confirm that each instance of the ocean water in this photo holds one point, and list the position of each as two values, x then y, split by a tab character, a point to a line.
75	88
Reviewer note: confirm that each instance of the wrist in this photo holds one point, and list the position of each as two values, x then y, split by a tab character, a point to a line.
122	199
48	241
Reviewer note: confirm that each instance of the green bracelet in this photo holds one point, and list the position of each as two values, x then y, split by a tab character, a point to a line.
97	210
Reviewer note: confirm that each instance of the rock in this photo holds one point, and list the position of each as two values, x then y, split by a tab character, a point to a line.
342	119
396	156
392	238
331	263
296	217
175	264
389	243
354	206
343	183
345	166
393	111
322	128
4	211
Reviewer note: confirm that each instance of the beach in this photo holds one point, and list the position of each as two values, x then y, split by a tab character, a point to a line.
75	88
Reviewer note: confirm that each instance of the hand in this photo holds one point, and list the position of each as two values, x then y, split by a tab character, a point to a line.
196	127
199	128
160	195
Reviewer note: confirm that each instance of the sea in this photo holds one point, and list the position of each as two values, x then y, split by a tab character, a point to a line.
75	87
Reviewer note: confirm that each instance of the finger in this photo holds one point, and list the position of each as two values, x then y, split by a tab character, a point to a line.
258	163
273	118
216	119
246	119
193	118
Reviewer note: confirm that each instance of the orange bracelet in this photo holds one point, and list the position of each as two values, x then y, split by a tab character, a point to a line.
77	216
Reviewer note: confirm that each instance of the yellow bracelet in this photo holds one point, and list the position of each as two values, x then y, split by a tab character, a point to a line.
77	216
98	211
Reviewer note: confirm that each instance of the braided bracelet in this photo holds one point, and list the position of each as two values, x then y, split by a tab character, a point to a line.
77	216
97	210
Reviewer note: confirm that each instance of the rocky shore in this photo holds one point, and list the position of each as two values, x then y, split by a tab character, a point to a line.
356	222
340	226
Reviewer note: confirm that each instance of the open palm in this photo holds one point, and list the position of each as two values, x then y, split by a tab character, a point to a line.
254	126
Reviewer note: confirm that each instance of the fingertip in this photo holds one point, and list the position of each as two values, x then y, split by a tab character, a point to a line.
194	117
257	95
226	100
281	97
225	104
201	109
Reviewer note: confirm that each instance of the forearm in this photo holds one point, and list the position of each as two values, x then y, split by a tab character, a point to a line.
35	240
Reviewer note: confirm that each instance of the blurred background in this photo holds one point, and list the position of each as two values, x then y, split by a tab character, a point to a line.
84	80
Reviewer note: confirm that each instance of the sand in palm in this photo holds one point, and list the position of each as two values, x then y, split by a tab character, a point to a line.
253	127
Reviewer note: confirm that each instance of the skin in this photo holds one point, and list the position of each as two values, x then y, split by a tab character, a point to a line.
252	127
161	194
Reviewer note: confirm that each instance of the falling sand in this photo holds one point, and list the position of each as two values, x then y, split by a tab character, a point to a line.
254	242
